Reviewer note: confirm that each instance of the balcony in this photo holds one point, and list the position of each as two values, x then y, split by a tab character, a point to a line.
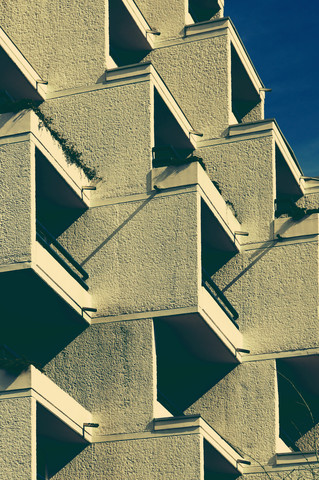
220	460
59	428
245	85
20	81
298	402
130	36
46	195
197	348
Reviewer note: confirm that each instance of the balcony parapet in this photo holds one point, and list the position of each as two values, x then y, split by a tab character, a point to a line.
25	81
289	229
35	384
194	174
194	424
26	126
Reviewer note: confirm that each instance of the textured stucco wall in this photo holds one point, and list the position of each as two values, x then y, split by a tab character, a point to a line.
168	16
112	129
141	256
169	458
109	369
16	198
275	291
245	173
64	42
203	69
17	439
242	409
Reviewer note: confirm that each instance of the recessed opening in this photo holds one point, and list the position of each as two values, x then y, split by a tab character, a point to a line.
128	45
57	207
190	360
244	95
202	10
287	188
171	145
298	402
217	249
13	82
216	467
57	444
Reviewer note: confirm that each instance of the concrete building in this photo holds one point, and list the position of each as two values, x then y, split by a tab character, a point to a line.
159	251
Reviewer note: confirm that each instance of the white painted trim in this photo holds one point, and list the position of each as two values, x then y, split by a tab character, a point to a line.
23	65
296	458
219	322
140	21
55	275
279	355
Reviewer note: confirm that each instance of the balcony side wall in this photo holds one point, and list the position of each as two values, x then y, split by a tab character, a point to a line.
109	369
203	68
275	290
18	439
16	199
245	397
66	46
168	457
244	171
112	128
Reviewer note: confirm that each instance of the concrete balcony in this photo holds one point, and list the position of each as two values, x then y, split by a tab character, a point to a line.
45	287
219	457
130	36
206	339
59	426
20	80
298	406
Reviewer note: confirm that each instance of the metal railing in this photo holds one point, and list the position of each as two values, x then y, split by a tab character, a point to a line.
220	298
48	241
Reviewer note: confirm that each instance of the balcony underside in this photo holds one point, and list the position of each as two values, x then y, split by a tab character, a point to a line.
36	322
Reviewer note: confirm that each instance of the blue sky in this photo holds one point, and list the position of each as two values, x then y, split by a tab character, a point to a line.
282	39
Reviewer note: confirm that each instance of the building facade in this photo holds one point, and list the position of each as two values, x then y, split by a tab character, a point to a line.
159	251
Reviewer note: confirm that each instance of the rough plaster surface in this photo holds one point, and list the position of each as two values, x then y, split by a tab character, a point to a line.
141	256
15	202
168	16
17	439
109	370
252	192
309	201
112	130
275	291
64	52
242	409
203	69
169	458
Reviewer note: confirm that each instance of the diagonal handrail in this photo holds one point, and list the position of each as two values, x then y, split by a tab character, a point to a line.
220	297
47	239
